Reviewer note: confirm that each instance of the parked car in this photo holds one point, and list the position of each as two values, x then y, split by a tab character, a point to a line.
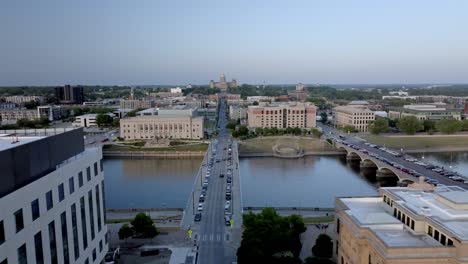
200	207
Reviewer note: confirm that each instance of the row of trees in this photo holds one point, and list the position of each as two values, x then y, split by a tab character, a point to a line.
243	132
411	124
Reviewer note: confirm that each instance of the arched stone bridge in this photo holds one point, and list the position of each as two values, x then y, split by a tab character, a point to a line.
384	170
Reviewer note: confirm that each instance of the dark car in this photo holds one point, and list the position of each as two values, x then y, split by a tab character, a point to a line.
201	199
221	175
198	217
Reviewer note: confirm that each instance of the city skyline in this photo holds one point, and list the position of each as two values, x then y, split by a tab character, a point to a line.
118	42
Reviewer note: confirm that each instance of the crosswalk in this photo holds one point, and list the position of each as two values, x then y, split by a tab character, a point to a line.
212	237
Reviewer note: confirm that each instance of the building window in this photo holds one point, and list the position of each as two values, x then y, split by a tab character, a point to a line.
436	235
429	230
52	243
449	242
101	165
100	245
19	220
49	200
83	222
61	192
88	173
22	256
337	225
94	254
95	169
91	213
71	185
443	239
35	209
2	233
98	208
38	247
63	223
76	246
80	179
412	224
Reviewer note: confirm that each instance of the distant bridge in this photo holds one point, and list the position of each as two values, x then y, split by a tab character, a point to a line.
383	170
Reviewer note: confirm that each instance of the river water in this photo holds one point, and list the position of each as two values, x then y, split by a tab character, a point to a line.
312	181
149	183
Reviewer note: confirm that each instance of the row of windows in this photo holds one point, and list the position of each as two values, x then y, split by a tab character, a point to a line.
35	206
441	238
52	246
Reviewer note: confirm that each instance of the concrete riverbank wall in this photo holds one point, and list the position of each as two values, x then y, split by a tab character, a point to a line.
160	154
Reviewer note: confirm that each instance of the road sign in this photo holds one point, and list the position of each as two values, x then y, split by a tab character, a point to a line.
190	232
232	222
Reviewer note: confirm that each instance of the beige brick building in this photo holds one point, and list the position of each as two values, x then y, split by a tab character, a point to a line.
418	224
358	117
151	127
302	115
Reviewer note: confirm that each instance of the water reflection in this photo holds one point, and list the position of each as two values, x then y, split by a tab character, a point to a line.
312	181
149	183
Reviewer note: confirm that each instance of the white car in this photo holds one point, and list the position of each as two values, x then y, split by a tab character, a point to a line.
200	207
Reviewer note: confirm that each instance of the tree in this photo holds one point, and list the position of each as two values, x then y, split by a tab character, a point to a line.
104	120
429	126
324	117
323	247
125	232
231	124
380	125
142	225
259	131
243	130
31	104
409	125
349	129
255	103
449	126
270	238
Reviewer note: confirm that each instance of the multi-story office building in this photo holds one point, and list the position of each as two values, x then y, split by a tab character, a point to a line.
435	111
136	104
418	224
155	126
302	115
355	116
21	99
51	200
69	94
52	112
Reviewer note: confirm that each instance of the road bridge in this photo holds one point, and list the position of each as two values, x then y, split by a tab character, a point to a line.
383	169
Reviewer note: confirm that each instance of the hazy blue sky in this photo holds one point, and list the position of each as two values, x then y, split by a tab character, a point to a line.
46	42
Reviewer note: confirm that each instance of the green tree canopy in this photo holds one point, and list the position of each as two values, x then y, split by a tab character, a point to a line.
104	120
143	225
429	125
270	238
449	126
380	125
125	232
409	125
323	247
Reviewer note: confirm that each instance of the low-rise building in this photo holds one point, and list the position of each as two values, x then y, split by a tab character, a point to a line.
6	105
435	111
237	112
136	104
21	99
53	112
51	199
11	116
153	127
88	120
355	116
418	224
282	115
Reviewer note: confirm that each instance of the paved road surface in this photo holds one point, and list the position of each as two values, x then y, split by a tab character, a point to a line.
400	160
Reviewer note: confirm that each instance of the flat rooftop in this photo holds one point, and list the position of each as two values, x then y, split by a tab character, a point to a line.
9	141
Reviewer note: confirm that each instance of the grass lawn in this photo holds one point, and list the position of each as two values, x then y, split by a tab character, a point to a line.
194	147
420	142
265	144
318	219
